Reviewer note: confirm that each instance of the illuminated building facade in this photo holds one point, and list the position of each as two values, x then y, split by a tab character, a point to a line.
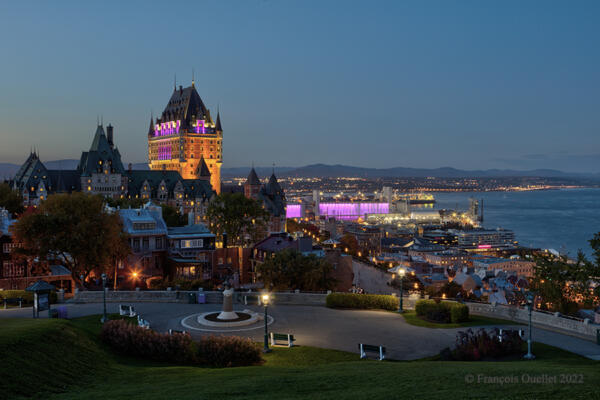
184	136
271	196
100	171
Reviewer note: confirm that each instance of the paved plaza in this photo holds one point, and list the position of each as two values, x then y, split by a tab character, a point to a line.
320	327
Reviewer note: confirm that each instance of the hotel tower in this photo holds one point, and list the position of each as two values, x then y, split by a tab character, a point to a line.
186	139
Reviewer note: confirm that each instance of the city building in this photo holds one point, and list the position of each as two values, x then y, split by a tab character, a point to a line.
485	239
447	258
191	252
511	266
271	196
100	171
184	135
147	238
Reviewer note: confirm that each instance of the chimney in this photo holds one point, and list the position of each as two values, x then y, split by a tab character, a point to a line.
109	135
129	167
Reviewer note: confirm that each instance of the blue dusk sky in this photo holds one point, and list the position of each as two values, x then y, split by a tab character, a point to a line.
469	84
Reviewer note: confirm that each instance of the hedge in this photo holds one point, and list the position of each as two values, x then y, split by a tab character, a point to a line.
215	351
444	312
362	301
26	296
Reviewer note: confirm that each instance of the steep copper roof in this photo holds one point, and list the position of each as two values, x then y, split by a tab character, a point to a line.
185	105
252	178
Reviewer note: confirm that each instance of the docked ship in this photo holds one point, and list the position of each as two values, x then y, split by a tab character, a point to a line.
417	198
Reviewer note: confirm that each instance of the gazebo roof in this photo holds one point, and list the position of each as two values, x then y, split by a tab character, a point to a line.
40	286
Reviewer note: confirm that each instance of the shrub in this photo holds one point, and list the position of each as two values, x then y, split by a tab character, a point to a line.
475	346
25	295
183	284
362	301
217	351
129	339
228	351
444	312
459	313
12	294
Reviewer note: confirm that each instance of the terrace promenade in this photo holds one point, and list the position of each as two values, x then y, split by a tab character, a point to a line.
324	327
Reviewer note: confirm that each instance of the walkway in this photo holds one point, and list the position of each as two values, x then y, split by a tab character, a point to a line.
327	328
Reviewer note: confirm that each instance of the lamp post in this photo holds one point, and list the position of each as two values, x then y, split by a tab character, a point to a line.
265	300
530	298
104	317
401	273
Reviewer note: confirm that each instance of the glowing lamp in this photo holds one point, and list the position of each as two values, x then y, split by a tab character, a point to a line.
265	299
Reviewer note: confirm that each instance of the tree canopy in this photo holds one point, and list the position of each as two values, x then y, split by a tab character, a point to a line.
10	199
289	269
172	216
75	230
241	218
562	283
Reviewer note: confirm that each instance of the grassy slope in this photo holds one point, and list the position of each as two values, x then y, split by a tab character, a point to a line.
474	320
301	372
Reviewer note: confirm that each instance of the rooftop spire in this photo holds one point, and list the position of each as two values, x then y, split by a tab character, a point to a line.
175	82
218	124
193	77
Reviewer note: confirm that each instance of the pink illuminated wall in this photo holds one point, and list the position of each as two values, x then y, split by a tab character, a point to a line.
352	210
167	128
293	211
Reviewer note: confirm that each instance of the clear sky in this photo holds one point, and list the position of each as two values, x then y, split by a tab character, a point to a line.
469	84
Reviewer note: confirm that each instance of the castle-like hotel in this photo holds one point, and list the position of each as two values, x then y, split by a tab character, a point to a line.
185	153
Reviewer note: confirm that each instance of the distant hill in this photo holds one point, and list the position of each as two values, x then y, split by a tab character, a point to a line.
324	170
8	170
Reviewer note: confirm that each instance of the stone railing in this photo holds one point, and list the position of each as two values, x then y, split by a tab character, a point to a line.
182	296
551	321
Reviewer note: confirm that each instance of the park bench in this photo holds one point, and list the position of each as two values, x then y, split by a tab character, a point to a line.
287	338
13	300
174	331
369	348
128	311
251	298
143	323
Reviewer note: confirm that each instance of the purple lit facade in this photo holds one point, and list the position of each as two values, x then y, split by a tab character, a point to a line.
350	211
200	128
167	128
164	152
293	211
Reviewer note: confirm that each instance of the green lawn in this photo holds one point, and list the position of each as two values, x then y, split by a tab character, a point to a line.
474	320
63	360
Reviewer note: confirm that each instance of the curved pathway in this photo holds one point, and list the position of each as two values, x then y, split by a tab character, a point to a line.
325	327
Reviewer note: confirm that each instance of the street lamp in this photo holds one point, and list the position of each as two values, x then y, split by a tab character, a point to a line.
401	273
104	317
265	300
530	298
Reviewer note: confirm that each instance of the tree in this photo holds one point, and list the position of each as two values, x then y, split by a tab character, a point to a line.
289	269
11	199
241	218
562	283
348	241
75	230
172	216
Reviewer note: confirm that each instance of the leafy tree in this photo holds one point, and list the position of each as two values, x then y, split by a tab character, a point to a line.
172	216
561	283
289	269
348	241
76	230
241	218
10	199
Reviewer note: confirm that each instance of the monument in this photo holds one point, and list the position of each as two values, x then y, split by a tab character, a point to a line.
227	314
